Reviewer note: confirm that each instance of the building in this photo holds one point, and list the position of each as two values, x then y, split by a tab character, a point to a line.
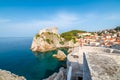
50	29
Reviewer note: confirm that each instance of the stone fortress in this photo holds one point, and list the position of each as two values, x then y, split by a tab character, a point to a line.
50	29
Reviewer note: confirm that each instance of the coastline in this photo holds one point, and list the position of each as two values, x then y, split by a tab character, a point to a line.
7	75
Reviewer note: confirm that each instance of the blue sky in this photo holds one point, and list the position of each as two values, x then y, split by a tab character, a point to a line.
24	18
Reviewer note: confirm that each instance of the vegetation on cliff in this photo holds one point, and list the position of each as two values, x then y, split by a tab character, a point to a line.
37	35
71	34
46	41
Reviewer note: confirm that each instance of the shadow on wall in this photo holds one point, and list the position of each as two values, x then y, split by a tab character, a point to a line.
77	70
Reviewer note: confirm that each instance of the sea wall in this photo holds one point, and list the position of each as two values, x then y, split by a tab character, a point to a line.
103	66
101	49
116	46
99	61
61	75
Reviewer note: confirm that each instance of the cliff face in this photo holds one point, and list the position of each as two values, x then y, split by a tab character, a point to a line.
47	39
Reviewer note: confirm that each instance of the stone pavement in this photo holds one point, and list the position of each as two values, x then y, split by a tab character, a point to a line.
103	63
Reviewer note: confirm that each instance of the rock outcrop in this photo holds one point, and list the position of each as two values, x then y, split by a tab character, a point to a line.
61	75
6	75
60	55
47	39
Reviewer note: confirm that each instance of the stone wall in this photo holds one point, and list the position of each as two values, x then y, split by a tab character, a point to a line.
51	29
61	75
103	66
101	63
100	49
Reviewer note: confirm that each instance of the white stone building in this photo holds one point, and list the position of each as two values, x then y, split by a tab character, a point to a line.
50	29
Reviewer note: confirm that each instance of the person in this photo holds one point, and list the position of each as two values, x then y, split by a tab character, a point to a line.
80	41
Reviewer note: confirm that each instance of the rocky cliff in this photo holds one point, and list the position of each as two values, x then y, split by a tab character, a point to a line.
46	40
49	39
6	75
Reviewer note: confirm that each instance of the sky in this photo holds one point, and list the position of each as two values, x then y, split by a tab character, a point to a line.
24	18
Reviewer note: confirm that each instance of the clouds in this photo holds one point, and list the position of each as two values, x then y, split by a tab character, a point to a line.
113	17
65	21
21	19
89	22
60	19
4	20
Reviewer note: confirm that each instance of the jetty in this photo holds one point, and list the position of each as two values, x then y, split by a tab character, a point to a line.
93	63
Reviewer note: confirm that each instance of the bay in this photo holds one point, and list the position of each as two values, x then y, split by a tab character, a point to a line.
16	56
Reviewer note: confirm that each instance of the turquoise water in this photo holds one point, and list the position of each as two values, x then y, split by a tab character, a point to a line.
16	56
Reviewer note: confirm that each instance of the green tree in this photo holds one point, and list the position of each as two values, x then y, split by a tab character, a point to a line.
61	42
48	41
117	28
70	34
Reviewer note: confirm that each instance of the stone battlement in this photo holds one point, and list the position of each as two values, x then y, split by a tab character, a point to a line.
50	29
97	63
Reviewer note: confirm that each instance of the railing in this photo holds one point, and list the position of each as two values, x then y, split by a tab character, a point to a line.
69	74
86	71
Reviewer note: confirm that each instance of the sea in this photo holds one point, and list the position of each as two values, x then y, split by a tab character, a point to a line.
16	57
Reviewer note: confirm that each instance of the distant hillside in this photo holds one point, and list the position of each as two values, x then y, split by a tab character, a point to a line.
71	34
111	31
117	28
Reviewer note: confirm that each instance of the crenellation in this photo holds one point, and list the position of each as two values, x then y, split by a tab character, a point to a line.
50	29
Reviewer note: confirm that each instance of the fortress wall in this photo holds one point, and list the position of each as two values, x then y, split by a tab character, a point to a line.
94	56
51	29
100	50
103	66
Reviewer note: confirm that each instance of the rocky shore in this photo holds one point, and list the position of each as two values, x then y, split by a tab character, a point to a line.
7	75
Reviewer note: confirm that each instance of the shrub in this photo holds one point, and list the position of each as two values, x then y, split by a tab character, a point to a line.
52	41
37	35
61	42
48	41
49	32
74	40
